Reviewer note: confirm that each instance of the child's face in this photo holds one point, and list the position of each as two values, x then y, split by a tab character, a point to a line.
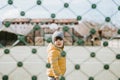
59	42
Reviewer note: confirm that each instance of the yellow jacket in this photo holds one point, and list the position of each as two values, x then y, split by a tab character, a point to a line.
58	63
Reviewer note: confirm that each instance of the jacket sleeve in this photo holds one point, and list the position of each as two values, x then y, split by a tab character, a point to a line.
54	56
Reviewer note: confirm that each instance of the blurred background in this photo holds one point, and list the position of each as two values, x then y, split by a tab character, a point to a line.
90	20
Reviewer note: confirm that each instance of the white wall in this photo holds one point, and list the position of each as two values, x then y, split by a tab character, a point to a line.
34	64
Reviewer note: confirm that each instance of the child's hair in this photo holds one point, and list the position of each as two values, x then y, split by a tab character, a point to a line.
58	38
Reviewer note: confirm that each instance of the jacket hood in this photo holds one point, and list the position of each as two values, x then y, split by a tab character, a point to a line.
57	34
